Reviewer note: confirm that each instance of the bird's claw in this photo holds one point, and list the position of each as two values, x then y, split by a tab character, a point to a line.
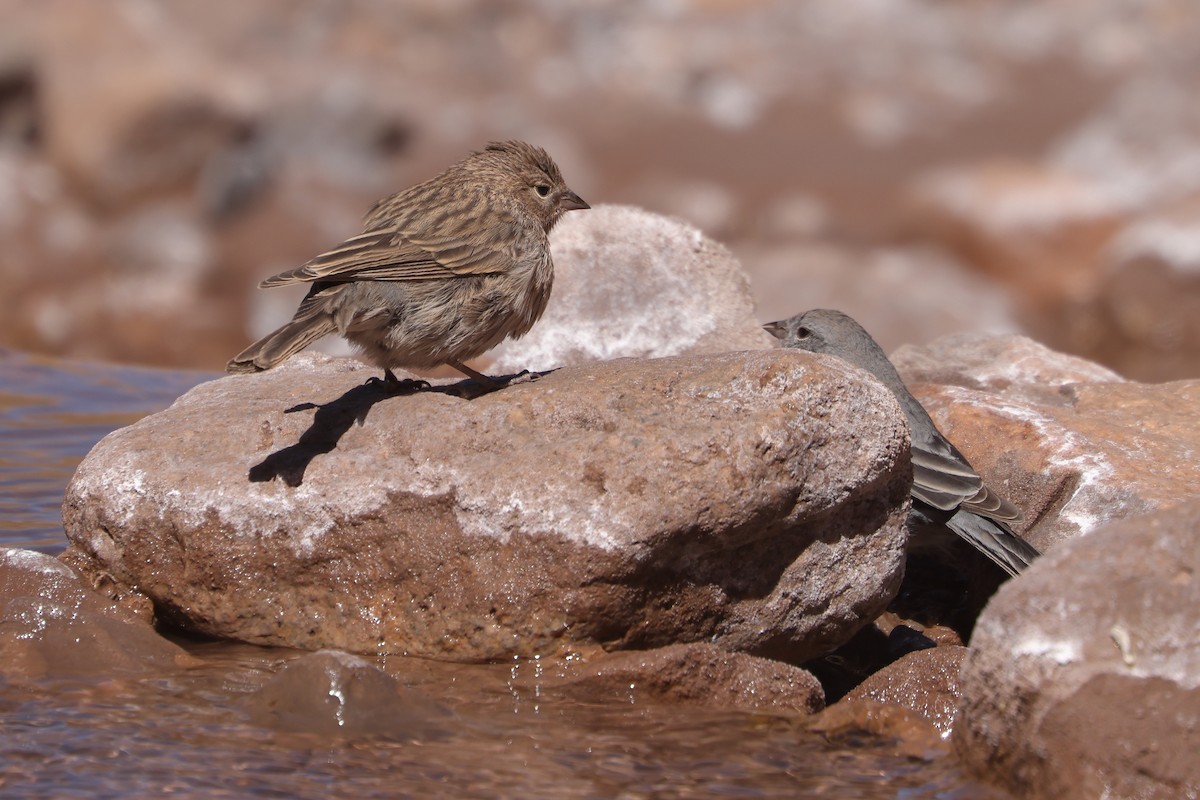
524	376
393	385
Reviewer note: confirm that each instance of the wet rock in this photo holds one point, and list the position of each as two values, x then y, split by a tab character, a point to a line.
52	625
888	638
1071	442
1084	674
704	674
28	573
910	733
631	283
754	500
924	681
333	693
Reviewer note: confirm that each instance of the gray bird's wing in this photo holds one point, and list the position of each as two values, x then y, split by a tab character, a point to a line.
943	478
995	540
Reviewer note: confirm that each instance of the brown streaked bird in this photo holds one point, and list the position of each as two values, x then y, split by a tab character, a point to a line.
947	492
442	272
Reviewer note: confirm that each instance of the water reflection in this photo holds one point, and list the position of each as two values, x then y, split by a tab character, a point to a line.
189	735
53	412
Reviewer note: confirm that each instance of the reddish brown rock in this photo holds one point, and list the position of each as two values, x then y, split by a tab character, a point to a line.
910	733
1017	365
703	674
754	500
1083	678
1101	271
888	638
1147	312
1069	441
925	681
1041	231
51	624
337	694
631	283
1142	318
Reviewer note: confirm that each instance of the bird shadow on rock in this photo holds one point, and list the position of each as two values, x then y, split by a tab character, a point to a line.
333	419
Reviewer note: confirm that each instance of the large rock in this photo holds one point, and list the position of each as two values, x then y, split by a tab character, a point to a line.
1071	442
330	693
1083	678
631	283
754	500
702	674
924	681
907	733
51	624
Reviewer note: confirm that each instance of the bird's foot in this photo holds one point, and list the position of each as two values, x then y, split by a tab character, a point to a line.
489	384
393	385
524	376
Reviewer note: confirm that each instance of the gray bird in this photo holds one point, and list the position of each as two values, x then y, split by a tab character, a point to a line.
947	492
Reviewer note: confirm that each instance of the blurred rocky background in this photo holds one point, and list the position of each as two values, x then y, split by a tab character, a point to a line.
928	167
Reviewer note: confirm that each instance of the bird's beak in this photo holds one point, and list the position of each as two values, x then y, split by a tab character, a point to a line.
776	329
569	201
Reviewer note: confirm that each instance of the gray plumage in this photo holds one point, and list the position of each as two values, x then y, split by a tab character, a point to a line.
443	271
947	491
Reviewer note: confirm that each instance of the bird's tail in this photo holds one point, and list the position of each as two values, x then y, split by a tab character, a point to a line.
995	540
282	343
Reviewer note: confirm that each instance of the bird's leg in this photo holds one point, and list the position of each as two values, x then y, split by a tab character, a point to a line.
479	377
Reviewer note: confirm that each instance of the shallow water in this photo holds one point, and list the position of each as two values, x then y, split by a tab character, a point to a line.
510	732
51	414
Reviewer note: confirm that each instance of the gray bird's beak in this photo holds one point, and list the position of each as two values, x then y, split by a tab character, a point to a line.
570	201
776	329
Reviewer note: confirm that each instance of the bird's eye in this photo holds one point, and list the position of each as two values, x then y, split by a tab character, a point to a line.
803	332
542	189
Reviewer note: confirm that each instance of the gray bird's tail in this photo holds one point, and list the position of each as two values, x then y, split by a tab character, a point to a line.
995	540
283	343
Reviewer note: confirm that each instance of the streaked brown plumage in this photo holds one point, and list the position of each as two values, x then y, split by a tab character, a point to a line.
441	273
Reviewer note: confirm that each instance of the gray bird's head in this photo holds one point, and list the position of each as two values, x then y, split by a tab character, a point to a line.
531	176
825	331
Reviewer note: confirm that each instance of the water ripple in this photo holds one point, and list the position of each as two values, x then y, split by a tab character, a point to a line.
51	414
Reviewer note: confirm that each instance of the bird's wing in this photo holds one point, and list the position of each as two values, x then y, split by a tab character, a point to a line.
995	540
943	478
987	503
391	255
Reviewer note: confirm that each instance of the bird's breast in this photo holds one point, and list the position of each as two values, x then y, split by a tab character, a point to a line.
531	282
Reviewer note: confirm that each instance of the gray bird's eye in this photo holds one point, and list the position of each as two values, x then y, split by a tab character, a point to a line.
803	332
542	189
